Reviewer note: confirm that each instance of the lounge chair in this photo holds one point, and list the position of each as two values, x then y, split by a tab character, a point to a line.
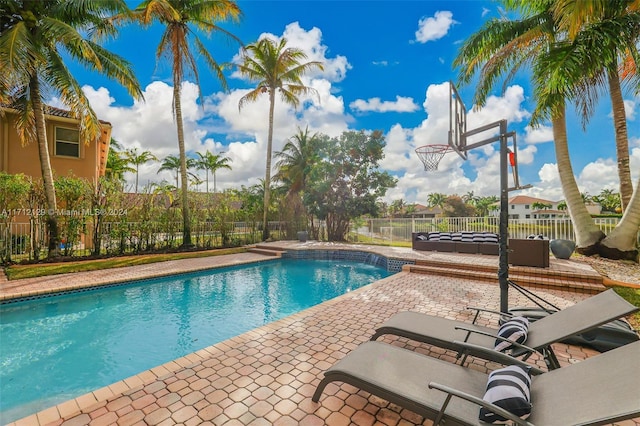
597	391
575	319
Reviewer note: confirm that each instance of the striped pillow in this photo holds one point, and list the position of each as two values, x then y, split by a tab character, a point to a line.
515	330
508	388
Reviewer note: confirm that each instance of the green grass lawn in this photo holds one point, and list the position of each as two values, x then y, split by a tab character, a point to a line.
16	272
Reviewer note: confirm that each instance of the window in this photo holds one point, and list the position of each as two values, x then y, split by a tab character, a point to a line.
527	216
513	206
526	206
67	142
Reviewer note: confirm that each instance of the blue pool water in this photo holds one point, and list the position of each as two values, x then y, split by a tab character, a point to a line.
56	348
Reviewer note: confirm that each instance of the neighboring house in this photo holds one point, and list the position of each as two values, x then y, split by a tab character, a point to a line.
424	212
521	207
67	152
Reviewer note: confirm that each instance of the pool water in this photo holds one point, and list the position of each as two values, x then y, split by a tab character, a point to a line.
57	348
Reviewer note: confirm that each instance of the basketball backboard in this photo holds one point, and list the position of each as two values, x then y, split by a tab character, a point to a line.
457	122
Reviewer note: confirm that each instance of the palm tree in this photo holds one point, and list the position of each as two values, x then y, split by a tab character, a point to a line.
177	44
436	199
274	67
138	159
117	162
212	163
504	46
612	29
483	204
172	163
36	39
296	158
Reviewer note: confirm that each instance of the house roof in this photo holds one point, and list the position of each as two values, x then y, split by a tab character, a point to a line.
525	199
53	111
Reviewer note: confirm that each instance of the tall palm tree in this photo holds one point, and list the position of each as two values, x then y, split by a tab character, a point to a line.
611	28
177	44
36	39
503	47
212	163
138	159
274	67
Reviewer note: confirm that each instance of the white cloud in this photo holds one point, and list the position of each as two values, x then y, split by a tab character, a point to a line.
242	135
335	69
538	135
630	109
401	104
434	28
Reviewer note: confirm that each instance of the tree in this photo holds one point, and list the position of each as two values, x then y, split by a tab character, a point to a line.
275	68
296	159
138	159
36	39
503	47
540	206
454	206
397	207
172	164
117	162
177	44
612	28
346	182
212	163
608	200
483	205
436	199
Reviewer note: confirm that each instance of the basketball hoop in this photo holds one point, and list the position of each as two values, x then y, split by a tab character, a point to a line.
430	155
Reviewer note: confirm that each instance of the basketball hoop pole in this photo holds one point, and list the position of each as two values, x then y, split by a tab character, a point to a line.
458	135
503	256
503	229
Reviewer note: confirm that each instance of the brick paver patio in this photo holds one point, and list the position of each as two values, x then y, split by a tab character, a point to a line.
267	376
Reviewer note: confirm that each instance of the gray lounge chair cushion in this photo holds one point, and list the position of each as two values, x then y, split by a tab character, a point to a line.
515	330
508	388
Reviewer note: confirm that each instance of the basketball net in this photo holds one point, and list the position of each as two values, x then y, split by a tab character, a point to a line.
430	155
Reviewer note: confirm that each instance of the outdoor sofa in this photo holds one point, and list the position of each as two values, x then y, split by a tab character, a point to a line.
459	242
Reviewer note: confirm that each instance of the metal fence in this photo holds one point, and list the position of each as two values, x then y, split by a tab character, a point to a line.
27	241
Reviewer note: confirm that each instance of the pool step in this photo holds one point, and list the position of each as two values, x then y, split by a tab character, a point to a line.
267	251
525	276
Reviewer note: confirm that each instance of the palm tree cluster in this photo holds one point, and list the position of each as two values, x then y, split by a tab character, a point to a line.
129	161
575	51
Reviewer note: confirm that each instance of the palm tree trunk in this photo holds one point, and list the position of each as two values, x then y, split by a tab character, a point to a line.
186	223
587	233
621	242
622	138
206	172
137	178
267	175
45	167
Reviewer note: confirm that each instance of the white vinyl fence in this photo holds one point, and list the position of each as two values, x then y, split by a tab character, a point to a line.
394	230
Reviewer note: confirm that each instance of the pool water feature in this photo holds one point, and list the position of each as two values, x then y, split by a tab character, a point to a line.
59	347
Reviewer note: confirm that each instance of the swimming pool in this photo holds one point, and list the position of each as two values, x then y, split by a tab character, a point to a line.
59	347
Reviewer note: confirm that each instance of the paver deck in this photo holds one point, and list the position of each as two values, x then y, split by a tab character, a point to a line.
268	375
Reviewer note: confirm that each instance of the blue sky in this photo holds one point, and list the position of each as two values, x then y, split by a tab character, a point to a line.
387	64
